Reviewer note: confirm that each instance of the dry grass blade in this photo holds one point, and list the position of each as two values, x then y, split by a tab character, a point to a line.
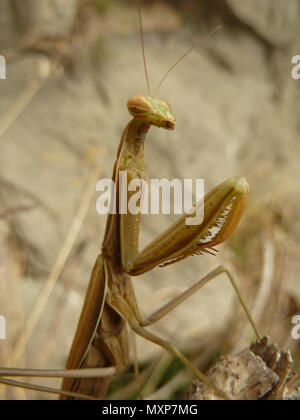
133	387
157	374
21	103
171	386
59	373
46	389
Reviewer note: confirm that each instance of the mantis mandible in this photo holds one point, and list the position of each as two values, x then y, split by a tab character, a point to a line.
101	338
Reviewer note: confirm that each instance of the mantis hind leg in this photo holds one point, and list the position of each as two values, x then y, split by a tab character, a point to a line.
89	373
138	324
122	307
164	310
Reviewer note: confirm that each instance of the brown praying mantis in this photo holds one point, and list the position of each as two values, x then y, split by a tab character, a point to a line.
100	346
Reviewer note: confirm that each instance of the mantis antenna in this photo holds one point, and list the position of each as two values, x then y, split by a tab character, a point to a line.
183	56
139	6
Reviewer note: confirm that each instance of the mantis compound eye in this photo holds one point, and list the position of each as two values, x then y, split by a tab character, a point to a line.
139	106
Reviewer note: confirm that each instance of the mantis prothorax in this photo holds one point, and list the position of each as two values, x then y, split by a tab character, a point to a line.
101	337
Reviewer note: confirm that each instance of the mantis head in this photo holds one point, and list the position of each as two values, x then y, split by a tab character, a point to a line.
152	111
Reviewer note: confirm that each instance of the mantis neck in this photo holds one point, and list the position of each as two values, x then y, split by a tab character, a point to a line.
136	134
130	158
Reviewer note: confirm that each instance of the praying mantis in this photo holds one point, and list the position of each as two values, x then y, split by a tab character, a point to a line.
100	346
101	336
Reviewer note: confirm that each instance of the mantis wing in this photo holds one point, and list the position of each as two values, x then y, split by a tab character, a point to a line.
89	318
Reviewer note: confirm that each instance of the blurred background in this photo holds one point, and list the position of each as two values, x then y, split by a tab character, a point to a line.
71	66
